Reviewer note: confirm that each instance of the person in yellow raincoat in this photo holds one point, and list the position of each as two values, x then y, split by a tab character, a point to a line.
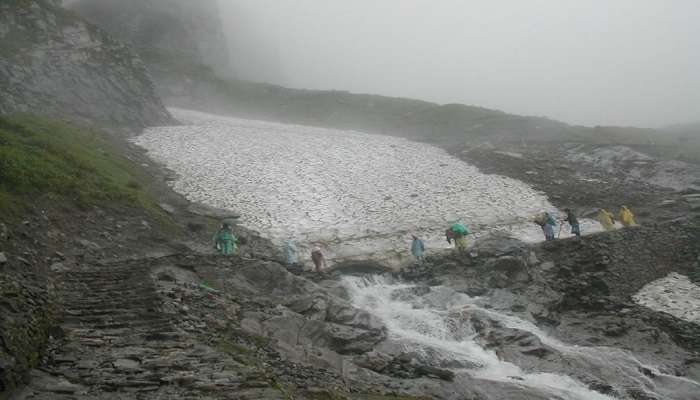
606	219
626	217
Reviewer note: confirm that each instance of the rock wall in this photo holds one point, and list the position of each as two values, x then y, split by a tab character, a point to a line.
610	268
166	33
26	315
54	63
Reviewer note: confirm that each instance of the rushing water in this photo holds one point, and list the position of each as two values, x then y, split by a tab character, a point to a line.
435	324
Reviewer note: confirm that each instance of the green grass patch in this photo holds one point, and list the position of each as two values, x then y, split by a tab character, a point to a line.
40	157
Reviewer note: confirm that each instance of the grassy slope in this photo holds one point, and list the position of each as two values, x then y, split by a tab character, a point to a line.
43	158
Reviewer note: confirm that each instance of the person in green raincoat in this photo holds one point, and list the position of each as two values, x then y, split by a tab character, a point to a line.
225	241
458	233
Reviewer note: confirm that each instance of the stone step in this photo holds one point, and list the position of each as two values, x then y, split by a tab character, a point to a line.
111	287
109	275
106	318
94	312
131	302
108	284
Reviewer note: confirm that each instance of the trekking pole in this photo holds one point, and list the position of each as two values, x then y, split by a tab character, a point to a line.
561	225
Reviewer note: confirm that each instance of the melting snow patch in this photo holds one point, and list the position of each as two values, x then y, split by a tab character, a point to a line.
360	194
674	294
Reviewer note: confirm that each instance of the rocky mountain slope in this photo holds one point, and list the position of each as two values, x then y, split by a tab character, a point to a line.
164	32
54	63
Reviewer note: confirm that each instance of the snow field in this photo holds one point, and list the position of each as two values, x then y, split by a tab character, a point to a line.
360	195
675	294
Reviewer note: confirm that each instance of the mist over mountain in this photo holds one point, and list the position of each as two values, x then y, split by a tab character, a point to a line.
625	63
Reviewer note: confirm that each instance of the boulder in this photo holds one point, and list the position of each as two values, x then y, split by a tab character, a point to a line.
374	361
3	259
498	244
507	271
295	330
58	267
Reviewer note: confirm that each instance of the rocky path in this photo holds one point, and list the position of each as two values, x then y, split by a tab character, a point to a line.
117	344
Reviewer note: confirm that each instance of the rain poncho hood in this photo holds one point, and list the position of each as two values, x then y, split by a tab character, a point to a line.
460	229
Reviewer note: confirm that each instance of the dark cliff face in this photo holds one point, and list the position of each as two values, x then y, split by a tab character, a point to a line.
54	63
164	32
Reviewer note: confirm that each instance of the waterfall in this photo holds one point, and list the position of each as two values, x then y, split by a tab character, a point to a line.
432	323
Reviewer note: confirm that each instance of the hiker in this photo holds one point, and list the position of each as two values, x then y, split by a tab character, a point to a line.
318	258
418	249
606	219
627	218
458	233
547	223
225	241
290	252
573	222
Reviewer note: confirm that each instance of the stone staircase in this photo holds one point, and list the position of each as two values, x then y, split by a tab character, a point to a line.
119	345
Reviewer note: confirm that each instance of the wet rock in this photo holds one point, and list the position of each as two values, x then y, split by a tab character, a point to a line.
166	276
61	388
408	294
409	365
58	267
547	266
498	244
507	271
3	259
167	208
89	245
615	330
374	361
433	372
126	366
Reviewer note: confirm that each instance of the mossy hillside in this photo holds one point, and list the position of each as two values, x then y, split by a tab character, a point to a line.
441	124
44	158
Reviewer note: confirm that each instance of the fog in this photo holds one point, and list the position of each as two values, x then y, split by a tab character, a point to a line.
592	62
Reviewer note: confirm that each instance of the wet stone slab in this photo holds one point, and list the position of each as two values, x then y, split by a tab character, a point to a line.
359	194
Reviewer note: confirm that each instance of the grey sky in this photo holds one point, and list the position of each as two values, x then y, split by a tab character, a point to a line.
622	62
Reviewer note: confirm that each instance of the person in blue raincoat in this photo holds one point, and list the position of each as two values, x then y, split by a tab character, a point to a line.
547	223
290	252
418	248
225	241
549	227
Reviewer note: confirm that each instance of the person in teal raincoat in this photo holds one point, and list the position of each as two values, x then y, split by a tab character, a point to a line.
225	241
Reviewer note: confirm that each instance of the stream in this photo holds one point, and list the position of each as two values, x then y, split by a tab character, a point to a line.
439	326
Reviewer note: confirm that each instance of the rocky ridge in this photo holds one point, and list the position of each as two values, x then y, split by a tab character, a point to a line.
55	62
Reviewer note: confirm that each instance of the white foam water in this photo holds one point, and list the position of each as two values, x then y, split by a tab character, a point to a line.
434	323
